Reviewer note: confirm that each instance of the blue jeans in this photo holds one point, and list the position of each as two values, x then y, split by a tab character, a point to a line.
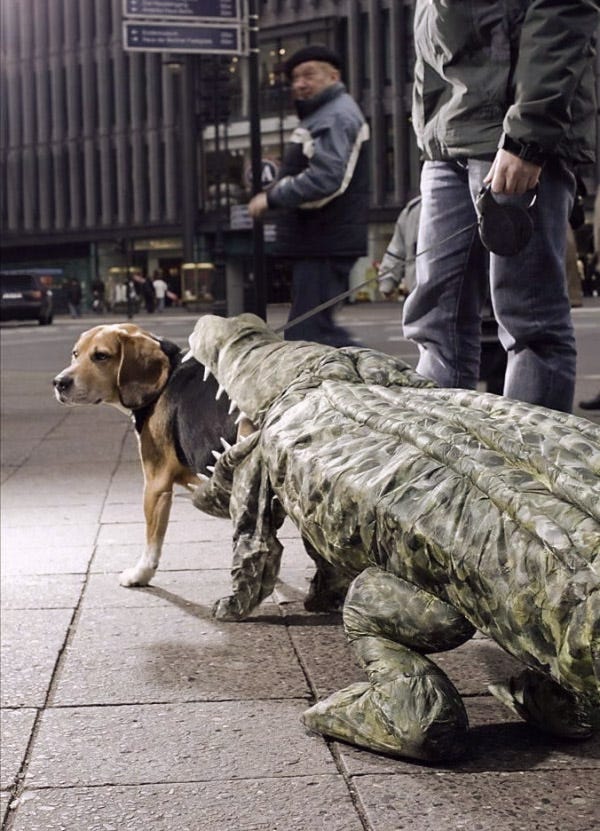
528	292
314	282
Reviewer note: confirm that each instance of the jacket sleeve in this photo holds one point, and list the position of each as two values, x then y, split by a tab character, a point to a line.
332	152
555	51
392	266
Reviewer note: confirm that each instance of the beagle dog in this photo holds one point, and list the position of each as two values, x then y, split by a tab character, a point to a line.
180	415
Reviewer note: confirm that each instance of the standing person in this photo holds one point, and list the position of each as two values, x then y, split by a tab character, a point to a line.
322	192
74	297
98	294
131	295
160	291
397	269
504	94
148	294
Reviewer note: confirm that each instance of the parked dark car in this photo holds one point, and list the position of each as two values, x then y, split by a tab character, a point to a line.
25	296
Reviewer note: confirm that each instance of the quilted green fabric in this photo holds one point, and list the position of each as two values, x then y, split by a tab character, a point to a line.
456	511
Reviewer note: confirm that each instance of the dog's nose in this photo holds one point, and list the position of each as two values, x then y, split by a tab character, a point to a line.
62	383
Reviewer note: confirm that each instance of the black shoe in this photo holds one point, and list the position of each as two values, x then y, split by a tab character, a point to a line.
592	404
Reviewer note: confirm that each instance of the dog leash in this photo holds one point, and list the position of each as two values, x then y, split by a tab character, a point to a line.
342	296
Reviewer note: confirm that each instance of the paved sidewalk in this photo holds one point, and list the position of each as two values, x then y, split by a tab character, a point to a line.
133	710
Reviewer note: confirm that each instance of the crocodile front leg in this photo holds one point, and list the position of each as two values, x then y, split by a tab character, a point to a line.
256	516
408	707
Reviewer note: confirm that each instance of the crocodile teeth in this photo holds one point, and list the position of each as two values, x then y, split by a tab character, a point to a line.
206	374
226	445
211	468
187	356
201	476
240	417
232	407
220	392
216	454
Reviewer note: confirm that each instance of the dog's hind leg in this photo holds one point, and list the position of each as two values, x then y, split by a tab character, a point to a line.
157	508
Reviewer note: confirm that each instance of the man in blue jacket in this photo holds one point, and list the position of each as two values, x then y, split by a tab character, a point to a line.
503	95
321	193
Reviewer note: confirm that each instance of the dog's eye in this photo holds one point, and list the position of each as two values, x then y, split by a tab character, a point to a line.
74	354
100	356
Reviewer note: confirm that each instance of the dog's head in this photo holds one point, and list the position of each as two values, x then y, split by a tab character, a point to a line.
114	364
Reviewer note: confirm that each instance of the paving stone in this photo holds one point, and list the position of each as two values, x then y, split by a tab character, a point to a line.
65	514
176	651
34	591
177	532
70	481
203	554
170	743
31	642
311	803
5	799
476	664
15	731
448	801
189	590
44	559
211	548
30	536
325	653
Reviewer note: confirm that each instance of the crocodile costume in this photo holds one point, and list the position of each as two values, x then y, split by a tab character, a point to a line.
459	511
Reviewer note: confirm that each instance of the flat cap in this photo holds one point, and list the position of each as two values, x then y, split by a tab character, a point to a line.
312	52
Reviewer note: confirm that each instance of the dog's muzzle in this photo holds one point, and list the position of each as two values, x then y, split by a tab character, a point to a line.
62	384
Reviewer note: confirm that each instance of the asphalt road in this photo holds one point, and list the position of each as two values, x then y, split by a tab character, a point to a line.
28	347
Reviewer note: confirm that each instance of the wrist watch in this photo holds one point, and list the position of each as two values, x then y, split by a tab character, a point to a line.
529	152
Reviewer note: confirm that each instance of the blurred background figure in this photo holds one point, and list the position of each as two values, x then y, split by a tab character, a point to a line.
396	273
148	294
160	291
74	297
98	296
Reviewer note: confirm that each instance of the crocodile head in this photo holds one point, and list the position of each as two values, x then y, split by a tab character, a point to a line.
251	362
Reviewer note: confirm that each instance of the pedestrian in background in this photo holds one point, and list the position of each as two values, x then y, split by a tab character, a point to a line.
396	272
321	191
74	297
160	291
98	296
131	296
148	294
504	94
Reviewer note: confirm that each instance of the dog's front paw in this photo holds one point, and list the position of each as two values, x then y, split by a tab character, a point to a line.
228	608
136	576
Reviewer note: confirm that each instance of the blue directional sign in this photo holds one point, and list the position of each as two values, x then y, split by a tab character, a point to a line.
182	37
214	10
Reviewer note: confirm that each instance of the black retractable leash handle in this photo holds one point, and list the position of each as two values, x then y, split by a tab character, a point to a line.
504	229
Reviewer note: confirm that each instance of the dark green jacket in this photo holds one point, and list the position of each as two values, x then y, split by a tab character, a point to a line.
525	67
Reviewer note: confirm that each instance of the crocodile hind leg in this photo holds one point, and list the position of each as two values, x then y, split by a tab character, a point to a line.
541	702
328	586
408	707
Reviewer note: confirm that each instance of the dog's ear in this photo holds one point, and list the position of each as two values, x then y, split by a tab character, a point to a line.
143	371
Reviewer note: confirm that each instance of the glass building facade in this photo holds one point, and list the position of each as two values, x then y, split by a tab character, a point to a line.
112	160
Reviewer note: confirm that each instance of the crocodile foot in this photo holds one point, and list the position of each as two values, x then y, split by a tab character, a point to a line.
543	703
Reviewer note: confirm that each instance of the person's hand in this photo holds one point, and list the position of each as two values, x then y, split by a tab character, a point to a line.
388	287
511	175
258	205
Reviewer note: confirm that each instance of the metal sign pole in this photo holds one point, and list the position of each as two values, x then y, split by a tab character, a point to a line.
258	243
